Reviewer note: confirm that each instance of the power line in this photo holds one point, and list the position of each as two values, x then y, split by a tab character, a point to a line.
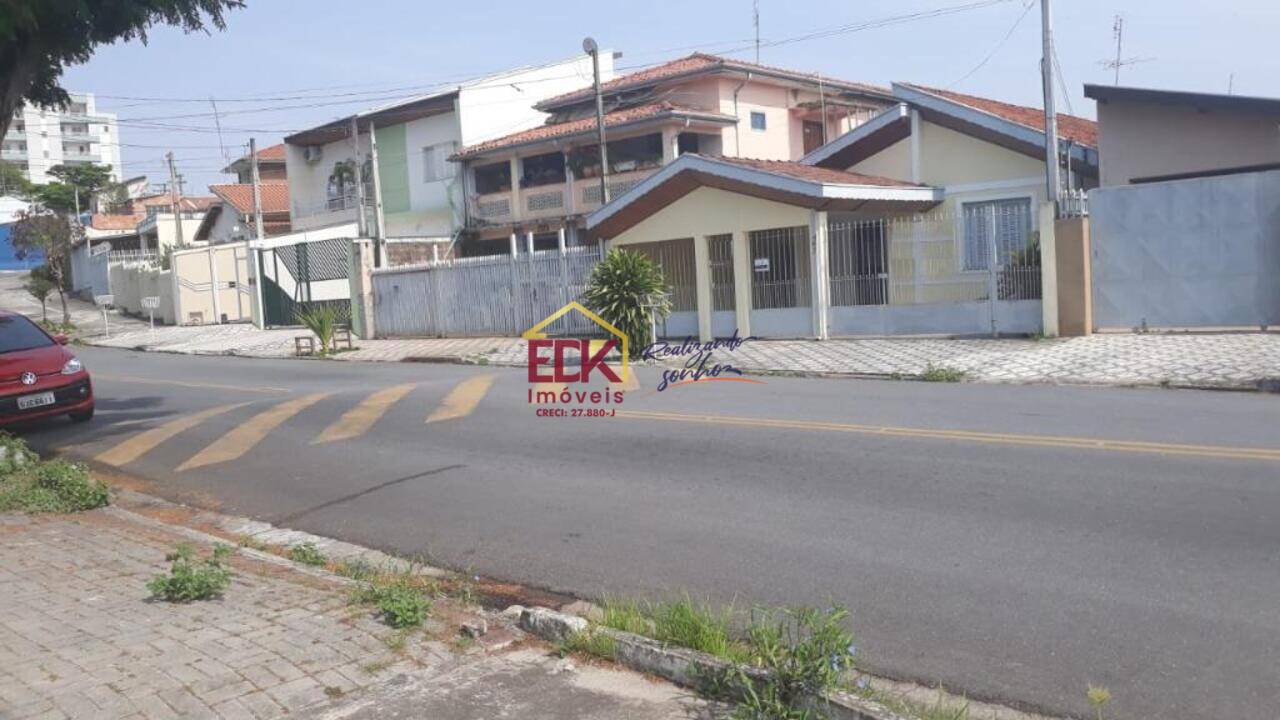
981	64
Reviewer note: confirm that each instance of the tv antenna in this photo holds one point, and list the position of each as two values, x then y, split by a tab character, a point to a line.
1121	61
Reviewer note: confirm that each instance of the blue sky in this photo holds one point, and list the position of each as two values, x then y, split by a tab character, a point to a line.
322	51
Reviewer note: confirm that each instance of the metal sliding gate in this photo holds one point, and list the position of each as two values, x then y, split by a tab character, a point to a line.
484	296
303	275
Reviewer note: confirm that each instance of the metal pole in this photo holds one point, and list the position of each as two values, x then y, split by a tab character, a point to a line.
175	198
380	233
361	225
594	50
258	232
1052	180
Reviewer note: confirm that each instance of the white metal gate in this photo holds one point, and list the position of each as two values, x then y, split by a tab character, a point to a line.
483	296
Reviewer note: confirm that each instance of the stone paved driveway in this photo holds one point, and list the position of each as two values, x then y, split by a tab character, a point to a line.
79	638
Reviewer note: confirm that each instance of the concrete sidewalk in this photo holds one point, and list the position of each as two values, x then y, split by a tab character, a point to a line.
1205	360
79	638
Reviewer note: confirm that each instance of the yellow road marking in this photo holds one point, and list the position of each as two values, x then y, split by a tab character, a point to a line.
357	421
186	383
243	438
463	399
1081	443
147	440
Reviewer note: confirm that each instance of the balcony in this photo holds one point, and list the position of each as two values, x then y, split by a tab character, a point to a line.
335	210
8	154
549	202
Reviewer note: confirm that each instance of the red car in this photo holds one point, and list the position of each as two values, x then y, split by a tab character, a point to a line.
38	376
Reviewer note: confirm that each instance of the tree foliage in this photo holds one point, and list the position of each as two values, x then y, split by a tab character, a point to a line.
628	290
40	38
13	181
46	231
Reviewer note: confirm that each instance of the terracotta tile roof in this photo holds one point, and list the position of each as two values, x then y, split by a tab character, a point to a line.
275	197
104	221
275	153
1076	129
698	63
813	173
588	124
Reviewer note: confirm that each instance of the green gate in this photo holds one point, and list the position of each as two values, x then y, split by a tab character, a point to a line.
302	276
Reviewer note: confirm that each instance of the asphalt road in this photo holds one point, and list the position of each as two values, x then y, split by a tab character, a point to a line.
1010	542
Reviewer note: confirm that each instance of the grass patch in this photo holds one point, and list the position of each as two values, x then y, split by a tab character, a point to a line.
684	622
192	579
941	373
308	554
589	642
401	603
943	707
55	486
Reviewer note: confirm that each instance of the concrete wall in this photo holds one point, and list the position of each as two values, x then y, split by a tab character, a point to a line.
1075	283
1142	140
1187	253
132	281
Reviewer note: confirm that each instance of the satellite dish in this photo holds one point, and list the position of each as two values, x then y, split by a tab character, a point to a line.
589	46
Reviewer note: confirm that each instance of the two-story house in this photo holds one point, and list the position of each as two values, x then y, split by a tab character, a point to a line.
530	187
422	199
233	219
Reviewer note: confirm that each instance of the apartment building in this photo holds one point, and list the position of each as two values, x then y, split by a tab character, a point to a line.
41	138
530	187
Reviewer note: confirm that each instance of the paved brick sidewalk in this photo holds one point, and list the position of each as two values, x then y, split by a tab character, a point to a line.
80	639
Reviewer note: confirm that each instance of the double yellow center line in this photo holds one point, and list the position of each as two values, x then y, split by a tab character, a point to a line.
1053	441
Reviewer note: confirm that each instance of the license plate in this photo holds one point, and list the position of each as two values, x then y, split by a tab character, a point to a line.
35	401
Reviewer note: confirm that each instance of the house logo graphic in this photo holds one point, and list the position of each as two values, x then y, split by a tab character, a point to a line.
591	353
557	363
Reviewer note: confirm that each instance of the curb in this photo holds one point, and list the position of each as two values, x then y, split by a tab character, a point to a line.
684	667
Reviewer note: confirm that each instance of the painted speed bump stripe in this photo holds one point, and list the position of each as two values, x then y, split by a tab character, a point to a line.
245	437
147	440
463	399
1135	446
357	421
193	384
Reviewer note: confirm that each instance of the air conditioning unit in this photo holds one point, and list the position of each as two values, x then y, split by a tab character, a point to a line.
312	153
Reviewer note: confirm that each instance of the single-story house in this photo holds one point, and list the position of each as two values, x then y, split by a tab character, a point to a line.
922	220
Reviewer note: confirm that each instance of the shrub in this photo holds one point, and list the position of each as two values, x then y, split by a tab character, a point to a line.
627	289
307	553
400	603
323	321
190	579
54	486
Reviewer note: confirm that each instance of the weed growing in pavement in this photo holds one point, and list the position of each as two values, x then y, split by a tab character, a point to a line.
55	486
684	622
804	651
356	569
590	642
400	602
396	641
1098	696
941	373
191	579
253	543
943	707
308	554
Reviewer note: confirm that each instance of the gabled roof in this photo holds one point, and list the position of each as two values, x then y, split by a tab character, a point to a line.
704	64
780	181
273	155
392	114
617	118
1009	126
274	197
1076	129
1205	101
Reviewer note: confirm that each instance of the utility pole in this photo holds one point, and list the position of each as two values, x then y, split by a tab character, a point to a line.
380	233
591	48
1118	29
175	198
258	232
361	225
1052	180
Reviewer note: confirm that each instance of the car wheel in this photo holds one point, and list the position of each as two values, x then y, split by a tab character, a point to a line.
82	416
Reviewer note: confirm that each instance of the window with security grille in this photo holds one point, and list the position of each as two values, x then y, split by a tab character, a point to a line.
435	161
1000	225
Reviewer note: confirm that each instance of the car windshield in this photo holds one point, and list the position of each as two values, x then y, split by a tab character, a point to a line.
18	333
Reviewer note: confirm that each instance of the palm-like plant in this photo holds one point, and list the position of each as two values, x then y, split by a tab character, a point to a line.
323	320
624	289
